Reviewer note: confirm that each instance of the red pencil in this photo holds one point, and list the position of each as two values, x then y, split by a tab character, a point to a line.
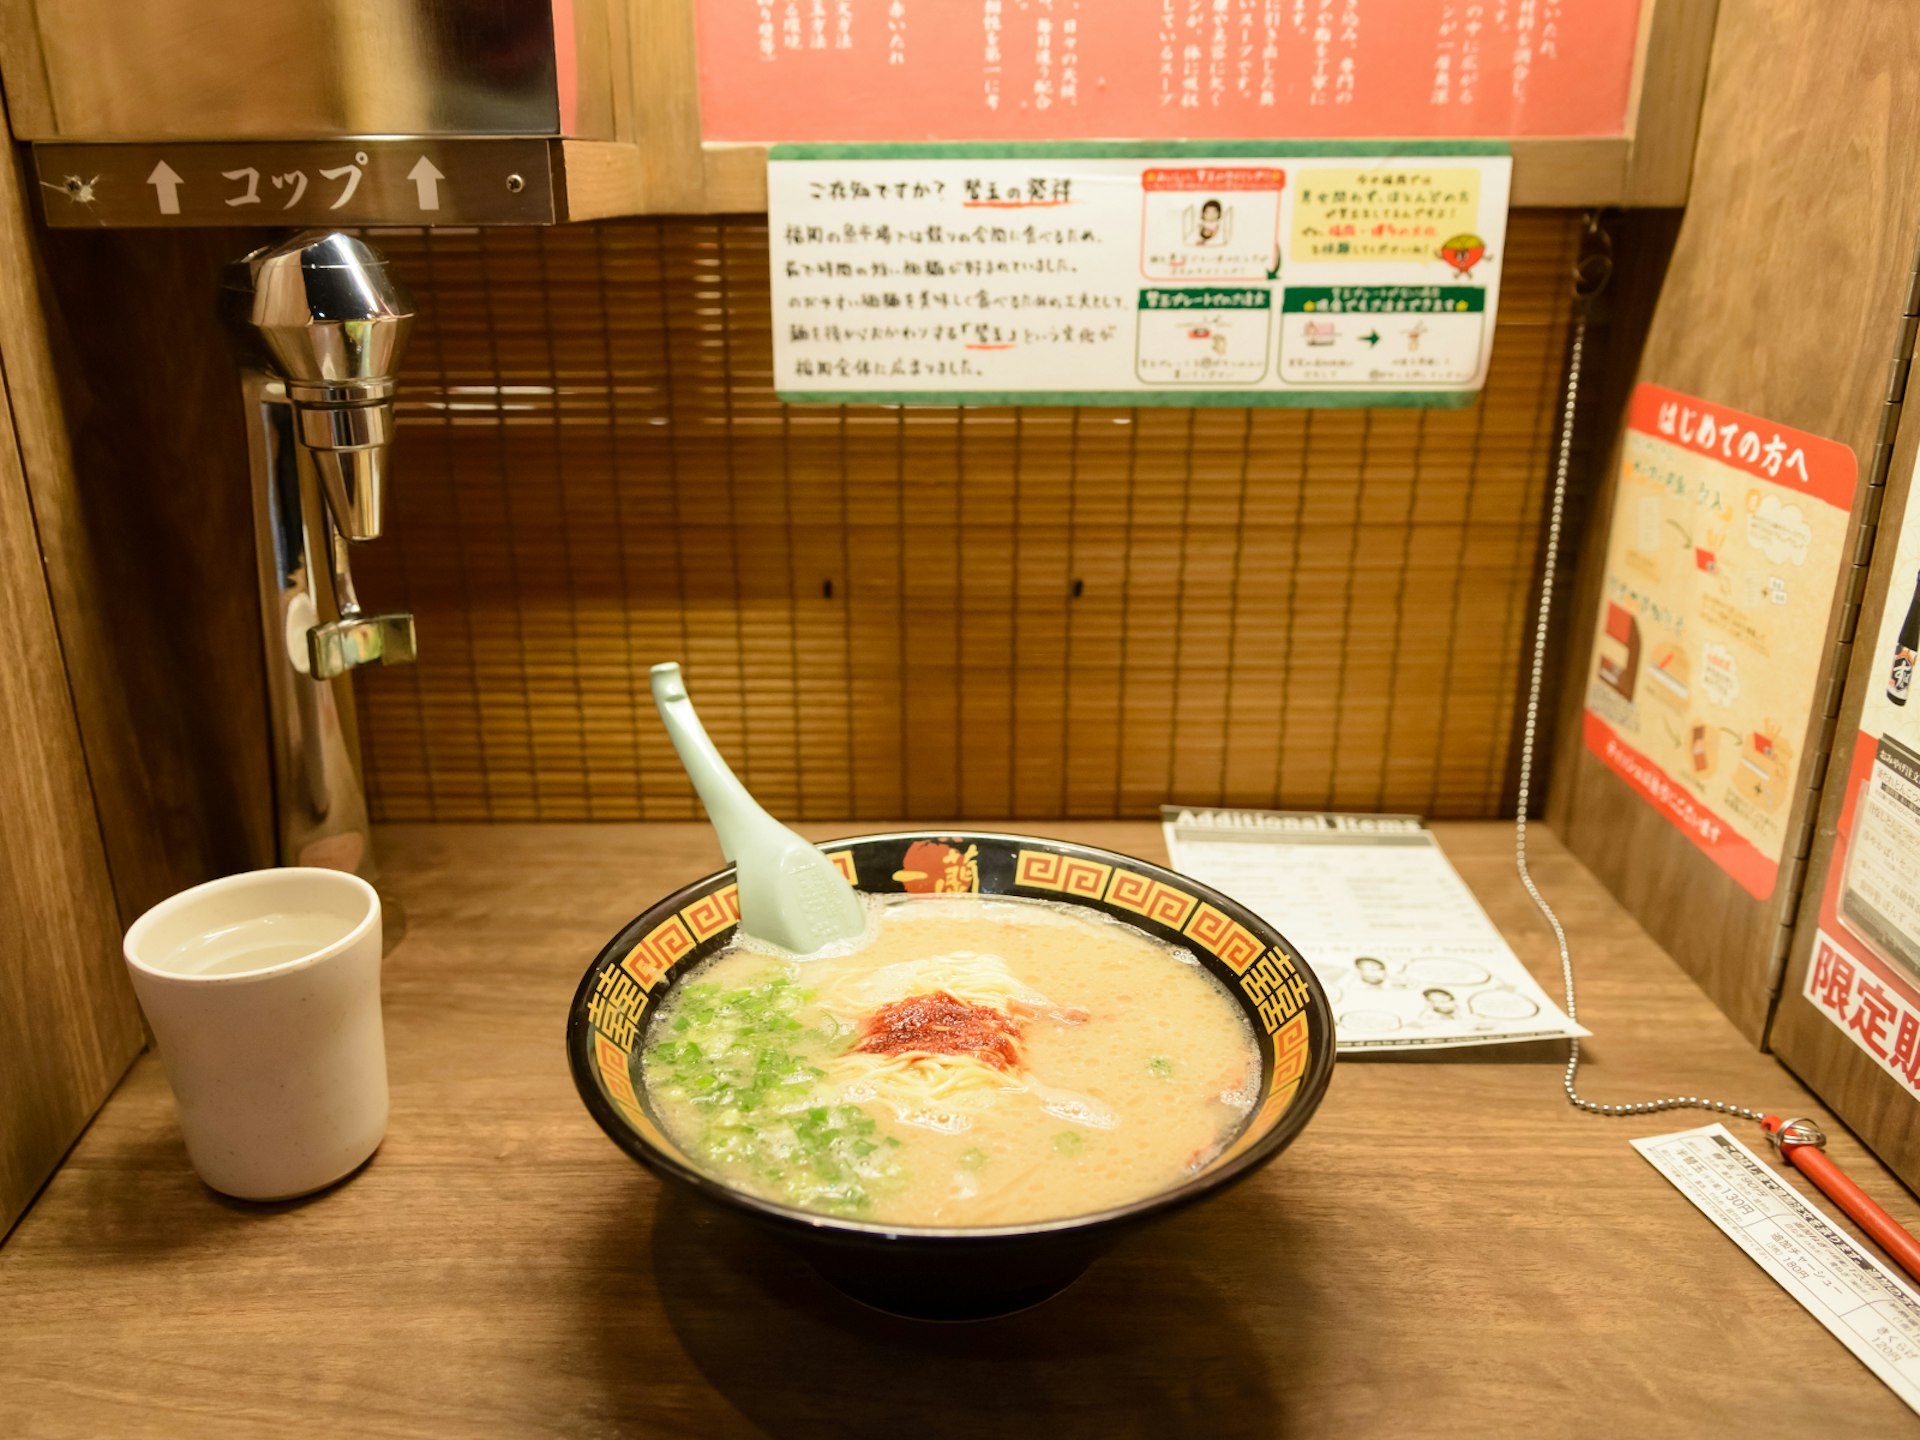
1801	1144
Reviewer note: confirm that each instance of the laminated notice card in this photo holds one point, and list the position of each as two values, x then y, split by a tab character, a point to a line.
1408	958
1227	273
1727	540
1865	972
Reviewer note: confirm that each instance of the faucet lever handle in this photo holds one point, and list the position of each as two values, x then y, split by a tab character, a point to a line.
354	640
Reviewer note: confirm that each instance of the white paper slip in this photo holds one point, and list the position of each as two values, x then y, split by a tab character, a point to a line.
1408	958
1874	1314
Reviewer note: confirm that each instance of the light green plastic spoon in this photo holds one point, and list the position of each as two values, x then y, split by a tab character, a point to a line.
790	894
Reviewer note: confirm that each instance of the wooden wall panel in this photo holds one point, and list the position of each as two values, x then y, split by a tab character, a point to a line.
1805	130
68	1018
927	611
128	412
155	590
68	1023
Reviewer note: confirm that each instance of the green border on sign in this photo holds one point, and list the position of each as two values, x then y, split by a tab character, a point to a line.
1137	399
1133	149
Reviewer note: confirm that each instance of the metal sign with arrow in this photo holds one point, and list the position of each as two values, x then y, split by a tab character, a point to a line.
426	180
291	183
166	185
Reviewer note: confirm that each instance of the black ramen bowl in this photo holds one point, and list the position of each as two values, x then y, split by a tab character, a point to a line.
953	1273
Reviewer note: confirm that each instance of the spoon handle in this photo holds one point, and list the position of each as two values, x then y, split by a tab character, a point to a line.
734	812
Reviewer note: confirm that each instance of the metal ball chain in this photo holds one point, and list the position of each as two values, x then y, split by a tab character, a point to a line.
1590	275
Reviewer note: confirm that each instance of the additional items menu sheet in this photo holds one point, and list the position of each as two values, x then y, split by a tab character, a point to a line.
1865	1305
1727	540
1182	274
1865	972
1407	956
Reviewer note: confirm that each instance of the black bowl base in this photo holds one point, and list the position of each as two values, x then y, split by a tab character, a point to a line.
913	1303
930	1282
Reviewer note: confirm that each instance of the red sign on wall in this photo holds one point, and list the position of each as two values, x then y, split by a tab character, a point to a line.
1728	535
918	70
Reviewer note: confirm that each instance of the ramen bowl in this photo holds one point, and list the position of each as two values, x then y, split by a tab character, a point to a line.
975	1272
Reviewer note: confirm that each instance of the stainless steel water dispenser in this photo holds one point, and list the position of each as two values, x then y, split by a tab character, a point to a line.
322	323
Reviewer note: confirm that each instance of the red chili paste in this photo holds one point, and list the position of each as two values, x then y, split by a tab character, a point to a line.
941	1025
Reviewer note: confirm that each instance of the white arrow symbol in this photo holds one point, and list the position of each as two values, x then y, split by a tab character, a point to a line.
166	185
427	180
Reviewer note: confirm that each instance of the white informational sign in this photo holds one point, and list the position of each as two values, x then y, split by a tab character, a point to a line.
1408	958
1228	273
1865	1305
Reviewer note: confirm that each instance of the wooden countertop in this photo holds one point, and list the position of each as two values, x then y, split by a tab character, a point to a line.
1447	1250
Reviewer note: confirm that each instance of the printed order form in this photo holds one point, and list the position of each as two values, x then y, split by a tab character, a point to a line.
1221	274
1408	958
1865	1305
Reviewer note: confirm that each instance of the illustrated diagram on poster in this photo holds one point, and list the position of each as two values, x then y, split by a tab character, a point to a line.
1727	540
1183	275
1408	958
1203	336
1865	971
995	70
1202	222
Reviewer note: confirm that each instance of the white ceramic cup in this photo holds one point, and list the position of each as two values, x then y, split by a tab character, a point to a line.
263	991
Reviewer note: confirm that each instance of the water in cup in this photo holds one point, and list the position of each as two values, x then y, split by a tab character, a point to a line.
260	943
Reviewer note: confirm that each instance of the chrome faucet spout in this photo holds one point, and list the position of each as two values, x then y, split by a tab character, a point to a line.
332	320
322	323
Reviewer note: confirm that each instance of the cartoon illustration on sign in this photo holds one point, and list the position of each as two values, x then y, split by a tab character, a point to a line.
1210	222
1214	337
1703	749
1707	557
1619	651
1463	252
1203	335
1213	225
1670	673
1765	768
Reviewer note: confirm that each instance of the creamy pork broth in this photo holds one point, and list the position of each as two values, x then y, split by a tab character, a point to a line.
976	1061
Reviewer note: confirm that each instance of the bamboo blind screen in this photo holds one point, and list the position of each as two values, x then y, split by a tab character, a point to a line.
940	612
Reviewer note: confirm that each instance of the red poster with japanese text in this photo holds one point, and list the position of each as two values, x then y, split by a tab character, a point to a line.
1864	974
983	70
1726	544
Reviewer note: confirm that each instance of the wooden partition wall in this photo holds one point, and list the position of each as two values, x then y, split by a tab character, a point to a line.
934	612
1806	122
